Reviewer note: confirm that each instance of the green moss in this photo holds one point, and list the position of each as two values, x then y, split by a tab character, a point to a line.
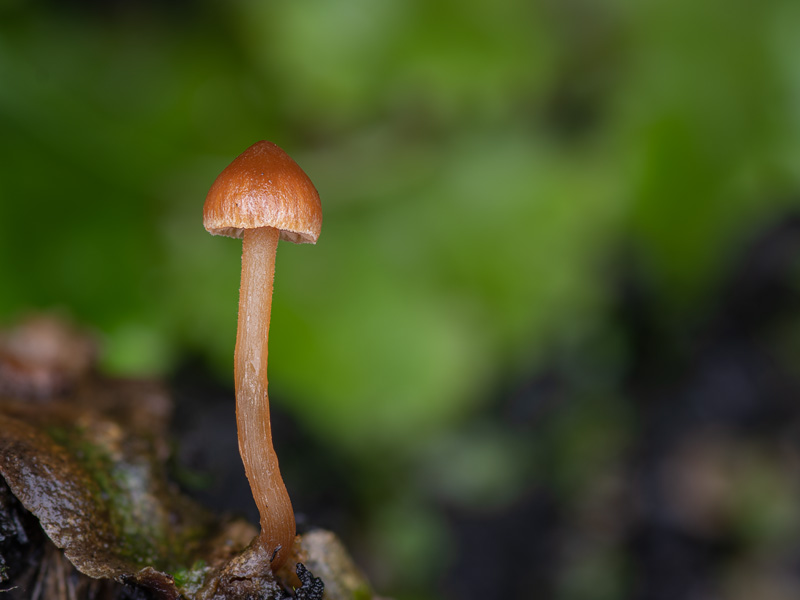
154	526
188	581
362	593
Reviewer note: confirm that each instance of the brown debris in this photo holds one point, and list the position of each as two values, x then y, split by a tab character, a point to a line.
32	568
43	357
52	486
85	456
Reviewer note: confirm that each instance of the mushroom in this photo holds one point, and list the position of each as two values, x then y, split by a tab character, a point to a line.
262	196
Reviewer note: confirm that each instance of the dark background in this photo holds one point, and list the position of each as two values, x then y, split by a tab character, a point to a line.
546	344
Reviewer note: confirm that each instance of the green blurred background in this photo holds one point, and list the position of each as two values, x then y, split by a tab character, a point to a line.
491	174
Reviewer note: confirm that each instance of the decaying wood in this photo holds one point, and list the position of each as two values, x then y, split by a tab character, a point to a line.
86	507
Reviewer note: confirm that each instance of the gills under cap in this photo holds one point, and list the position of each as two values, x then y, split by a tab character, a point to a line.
264	187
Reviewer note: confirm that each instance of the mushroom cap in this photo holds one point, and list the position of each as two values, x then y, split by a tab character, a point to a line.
264	187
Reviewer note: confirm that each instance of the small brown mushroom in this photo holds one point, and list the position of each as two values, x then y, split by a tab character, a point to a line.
263	195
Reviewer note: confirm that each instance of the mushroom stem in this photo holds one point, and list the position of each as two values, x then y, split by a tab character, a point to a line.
252	401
